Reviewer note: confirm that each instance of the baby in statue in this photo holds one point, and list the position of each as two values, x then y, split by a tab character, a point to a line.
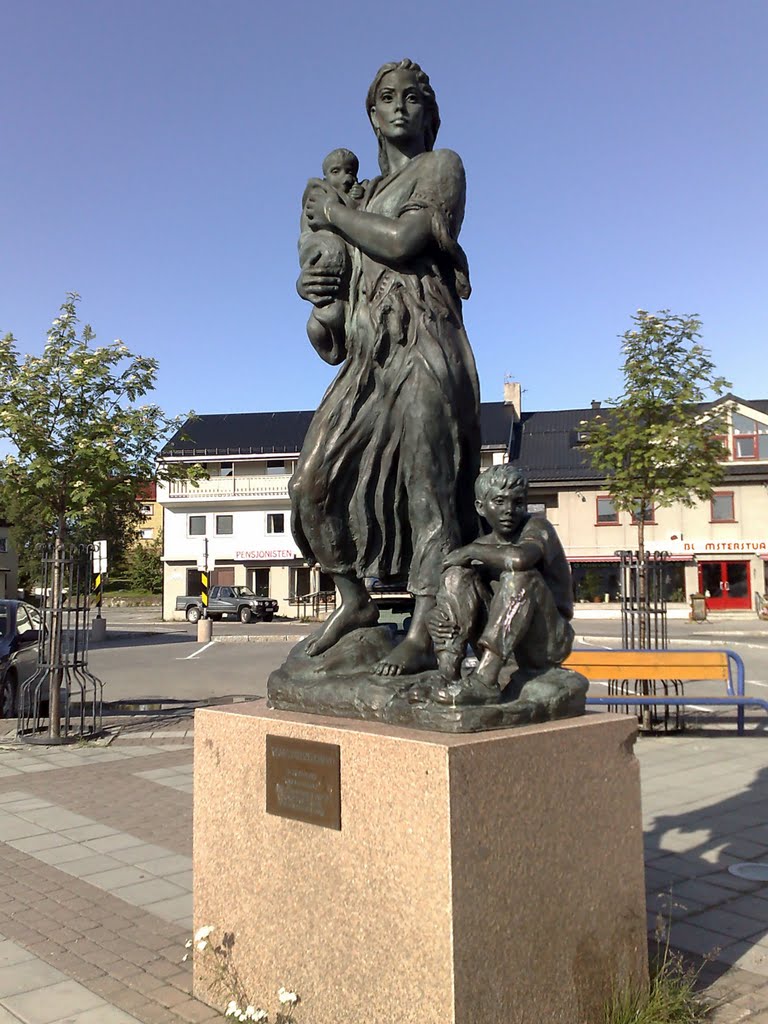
328	251
508	594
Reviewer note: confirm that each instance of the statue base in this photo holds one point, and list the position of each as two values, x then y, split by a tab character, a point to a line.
496	878
341	683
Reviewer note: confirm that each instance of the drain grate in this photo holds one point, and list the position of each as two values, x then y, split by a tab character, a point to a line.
749	871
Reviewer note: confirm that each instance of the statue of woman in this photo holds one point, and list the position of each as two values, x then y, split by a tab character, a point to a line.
384	484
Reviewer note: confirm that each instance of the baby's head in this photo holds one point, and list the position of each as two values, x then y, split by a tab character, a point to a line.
340	169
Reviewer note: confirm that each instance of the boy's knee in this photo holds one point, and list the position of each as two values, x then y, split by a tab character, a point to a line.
457	578
516	580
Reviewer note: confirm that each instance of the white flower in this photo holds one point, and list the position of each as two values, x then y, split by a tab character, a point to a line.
260	1015
232	1009
200	946
188	944
204	932
286	997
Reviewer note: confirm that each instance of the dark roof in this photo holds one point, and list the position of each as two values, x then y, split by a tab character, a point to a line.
242	433
259	433
545	443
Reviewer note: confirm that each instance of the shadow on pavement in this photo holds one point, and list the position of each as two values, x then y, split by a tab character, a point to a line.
127	638
700	896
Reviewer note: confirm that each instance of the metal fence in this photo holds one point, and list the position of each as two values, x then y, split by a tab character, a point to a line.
62	701
644	628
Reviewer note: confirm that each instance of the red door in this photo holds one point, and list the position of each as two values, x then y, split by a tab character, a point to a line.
725	584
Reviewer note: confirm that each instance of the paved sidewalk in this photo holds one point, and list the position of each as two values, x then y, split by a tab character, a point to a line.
95	873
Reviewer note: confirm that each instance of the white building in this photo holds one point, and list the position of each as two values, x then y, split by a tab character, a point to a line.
242	510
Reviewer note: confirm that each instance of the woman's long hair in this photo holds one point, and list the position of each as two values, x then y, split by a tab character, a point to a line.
431	112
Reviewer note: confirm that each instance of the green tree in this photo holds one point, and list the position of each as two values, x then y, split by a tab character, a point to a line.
82	443
655	444
144	564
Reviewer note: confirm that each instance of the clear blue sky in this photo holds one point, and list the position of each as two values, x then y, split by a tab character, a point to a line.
154	153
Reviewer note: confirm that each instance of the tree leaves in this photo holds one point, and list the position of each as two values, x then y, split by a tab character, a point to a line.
83	446
653	443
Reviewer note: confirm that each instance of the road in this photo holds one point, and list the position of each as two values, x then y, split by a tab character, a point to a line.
145	659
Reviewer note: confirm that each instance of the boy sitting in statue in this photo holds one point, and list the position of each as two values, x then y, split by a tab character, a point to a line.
508	594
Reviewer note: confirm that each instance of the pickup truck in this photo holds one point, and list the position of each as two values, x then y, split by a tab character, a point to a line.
238	601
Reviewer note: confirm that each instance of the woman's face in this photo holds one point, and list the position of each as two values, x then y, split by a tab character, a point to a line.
398	109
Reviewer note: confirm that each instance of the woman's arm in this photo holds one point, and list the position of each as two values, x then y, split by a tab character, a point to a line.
392	239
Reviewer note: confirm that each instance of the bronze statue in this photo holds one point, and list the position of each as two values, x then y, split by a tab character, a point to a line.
383	484
508	594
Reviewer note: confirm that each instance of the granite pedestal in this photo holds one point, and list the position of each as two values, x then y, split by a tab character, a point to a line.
495	877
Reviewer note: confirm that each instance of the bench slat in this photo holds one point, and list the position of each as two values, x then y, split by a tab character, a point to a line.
649	665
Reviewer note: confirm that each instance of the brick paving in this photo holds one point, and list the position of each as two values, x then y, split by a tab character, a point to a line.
81	943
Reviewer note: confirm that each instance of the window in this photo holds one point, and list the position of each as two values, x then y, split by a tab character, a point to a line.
224	526
647	513
274	467
275	522
146	510
147	533
194	583
537	508
196	526
299	583
750	438
226	469
607	514
258	581
3	545
722	508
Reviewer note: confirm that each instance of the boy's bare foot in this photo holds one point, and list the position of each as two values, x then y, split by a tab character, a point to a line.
473	689
408	658
348	616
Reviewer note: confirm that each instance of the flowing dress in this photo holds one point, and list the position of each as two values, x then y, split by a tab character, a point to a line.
384	486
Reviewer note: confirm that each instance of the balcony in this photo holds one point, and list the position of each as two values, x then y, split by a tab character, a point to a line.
265	487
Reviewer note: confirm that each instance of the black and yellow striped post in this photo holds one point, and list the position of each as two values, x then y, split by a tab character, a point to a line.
204	592
98	591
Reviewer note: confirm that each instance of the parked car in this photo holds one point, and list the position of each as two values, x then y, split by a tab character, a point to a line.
222	601
20	626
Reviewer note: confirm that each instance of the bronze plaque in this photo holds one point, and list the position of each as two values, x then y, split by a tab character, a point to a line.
304	781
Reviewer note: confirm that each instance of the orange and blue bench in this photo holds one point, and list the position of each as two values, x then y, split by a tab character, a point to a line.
715	665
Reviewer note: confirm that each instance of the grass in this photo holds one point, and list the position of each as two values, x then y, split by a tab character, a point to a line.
671	997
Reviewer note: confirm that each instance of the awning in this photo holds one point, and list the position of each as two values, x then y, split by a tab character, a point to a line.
615	558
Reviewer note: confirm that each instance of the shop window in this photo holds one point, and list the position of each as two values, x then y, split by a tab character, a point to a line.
722	508
275	522
224	526
607	513
274	467
750	438
258	581
646	512
194	583
3	545
299	583
195	526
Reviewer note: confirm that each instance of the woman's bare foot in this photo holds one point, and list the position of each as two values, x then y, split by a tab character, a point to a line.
348	616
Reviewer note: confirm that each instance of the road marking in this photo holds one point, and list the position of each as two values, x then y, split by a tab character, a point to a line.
195	653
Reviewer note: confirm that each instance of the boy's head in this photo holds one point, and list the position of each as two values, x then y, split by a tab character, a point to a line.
501	498
340	169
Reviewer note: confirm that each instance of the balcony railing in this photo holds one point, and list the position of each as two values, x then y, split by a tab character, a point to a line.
219	488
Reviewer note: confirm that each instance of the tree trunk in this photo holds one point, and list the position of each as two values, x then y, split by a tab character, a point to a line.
642	600
55	670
